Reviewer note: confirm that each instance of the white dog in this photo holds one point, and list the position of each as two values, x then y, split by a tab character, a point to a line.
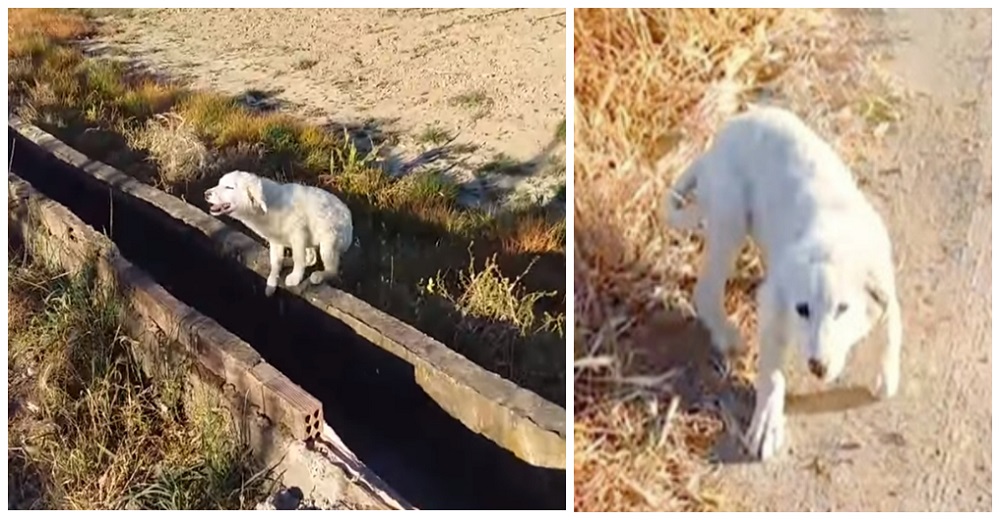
287	215
828	255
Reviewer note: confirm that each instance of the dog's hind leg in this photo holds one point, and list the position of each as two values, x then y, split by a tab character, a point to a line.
724	235
298	246
311	258
331	263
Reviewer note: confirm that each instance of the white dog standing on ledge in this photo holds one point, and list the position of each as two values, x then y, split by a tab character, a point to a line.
828	255
287	215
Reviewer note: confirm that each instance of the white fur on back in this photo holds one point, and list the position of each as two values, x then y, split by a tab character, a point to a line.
294	207
795	183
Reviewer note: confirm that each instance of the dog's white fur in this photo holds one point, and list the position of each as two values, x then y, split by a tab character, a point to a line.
287	215
828	254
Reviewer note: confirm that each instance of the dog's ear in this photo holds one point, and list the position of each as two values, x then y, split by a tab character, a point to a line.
255	192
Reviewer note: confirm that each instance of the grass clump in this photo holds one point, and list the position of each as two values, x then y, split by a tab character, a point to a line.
175	148
434	135
425	188
561	131
497	310
305	64
477	102
88	430
533	233
489	294
503	164
652	86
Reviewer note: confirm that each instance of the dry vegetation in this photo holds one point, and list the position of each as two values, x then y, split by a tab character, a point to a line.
87	430
651	87
410	229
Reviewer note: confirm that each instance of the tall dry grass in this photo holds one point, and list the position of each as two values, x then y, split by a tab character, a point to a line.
651	88
29	30
88	429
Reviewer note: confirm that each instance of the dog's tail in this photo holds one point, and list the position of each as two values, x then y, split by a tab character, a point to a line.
681	213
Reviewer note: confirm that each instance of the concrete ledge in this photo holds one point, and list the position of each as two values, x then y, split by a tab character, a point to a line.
217	353
515	418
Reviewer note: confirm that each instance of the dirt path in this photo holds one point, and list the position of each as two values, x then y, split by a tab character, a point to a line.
930	447
494	79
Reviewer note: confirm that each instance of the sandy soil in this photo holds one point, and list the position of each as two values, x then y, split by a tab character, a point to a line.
493	79
930	447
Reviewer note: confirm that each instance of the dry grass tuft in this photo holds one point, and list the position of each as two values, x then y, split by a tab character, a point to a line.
535	233
487	293
174	147
88	430
498	311
644	459
651	87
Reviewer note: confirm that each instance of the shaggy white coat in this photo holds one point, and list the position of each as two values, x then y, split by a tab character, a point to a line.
298	217
828	255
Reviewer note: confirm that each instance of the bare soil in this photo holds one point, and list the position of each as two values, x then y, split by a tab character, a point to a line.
494	80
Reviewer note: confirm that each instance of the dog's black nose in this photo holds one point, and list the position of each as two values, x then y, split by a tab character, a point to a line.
817	368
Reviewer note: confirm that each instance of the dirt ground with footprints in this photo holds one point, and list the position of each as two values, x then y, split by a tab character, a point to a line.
480	93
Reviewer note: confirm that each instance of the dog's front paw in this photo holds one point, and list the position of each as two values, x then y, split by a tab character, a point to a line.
293	279
767	432
887	384
269	290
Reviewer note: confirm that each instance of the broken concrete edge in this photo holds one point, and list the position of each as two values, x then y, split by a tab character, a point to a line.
513	417
217	353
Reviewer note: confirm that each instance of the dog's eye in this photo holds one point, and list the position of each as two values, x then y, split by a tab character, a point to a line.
803	310
841	308
228	187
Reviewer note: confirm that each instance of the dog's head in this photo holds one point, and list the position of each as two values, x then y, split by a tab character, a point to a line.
237	192
833	306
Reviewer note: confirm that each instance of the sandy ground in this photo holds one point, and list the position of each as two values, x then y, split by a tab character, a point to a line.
930	447
495	79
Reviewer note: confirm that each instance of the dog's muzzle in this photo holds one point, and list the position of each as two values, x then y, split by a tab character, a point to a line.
215	208
818	368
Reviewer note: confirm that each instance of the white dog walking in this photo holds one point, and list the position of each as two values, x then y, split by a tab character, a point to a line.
829	261
287	215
